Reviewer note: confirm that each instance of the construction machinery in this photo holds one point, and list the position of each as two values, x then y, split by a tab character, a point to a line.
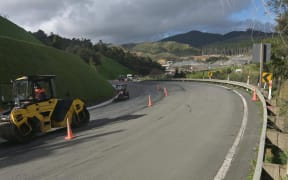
122	91
35	109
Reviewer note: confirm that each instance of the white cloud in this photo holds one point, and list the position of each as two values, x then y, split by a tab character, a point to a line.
119	21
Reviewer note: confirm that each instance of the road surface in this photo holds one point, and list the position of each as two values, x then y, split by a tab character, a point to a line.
186	135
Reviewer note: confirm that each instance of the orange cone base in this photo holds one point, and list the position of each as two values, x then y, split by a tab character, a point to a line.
69	137
254	98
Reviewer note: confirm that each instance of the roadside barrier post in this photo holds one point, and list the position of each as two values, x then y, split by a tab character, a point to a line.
270	90
248	80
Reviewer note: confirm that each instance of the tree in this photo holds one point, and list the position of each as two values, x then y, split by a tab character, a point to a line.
280	9
280	53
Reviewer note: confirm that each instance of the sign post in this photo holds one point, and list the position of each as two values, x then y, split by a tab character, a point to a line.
261	54
261	64
210	74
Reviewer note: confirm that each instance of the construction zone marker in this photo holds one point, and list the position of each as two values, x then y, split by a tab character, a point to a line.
149	101
254	97
69	131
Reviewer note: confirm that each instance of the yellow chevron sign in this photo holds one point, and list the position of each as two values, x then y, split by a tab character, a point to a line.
210	74
266	77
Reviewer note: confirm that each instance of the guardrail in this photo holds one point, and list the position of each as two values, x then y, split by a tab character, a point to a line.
259	164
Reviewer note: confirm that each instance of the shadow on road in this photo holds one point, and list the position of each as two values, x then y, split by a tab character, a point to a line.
43	146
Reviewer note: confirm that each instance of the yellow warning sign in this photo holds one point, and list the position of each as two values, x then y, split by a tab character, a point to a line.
210	74
266	77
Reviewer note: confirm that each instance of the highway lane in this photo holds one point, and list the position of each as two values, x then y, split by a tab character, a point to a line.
183	136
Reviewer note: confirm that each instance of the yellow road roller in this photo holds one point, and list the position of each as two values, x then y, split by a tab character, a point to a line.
36	109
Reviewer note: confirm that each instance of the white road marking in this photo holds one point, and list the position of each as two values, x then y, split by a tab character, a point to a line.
232	151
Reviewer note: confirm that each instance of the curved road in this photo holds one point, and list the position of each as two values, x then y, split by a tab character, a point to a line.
186	135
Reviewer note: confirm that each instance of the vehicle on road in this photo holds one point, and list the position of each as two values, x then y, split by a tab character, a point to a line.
122	92
129	77
35	109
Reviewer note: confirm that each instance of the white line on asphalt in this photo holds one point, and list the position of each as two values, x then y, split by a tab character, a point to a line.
232	151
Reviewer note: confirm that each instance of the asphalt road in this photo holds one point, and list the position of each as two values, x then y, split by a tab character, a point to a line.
186	135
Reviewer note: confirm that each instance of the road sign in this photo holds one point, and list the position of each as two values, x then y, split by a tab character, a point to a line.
266	77
210	74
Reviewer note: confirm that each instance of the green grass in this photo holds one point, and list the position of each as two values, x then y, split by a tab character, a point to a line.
251	170
111	69
74	76
221	73
277	156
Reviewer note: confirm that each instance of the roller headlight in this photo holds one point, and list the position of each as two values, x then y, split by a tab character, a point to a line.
4	117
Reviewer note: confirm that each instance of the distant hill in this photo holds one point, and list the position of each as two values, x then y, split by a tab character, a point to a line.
22	54
183	46
195	38
201	39
162	50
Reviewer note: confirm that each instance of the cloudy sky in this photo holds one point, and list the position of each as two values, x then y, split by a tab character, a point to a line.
125	21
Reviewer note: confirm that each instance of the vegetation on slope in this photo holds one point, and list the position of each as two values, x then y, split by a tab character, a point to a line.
232	43
163	50
23	54
94	53
74	77
111	69
235	39
195	38
174	48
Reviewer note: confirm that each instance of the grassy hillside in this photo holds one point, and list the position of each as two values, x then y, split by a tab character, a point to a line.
11	30
23	54
74	76
111	69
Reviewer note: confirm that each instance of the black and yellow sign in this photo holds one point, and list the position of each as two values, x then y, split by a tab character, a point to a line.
210	74
266	77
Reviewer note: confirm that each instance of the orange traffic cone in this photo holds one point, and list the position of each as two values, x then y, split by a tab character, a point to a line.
69	131
149	101
165	92
254	97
